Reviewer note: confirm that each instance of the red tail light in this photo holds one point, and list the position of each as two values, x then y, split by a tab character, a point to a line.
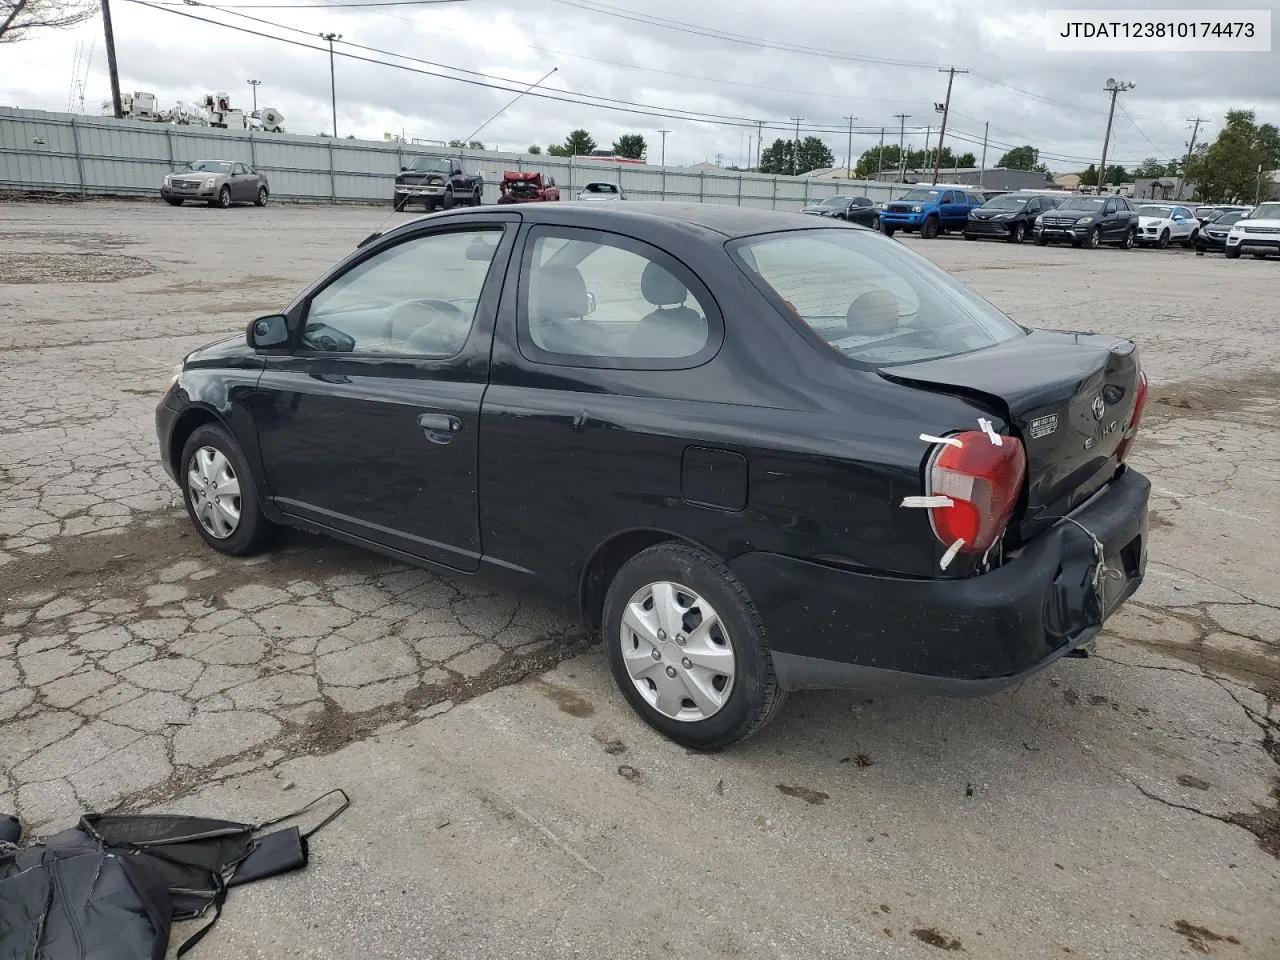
1139	404
982	481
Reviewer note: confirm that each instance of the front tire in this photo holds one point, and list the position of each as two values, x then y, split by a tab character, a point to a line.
173	201
1041	240
929	230
223	200
1231	253
220	494
447	201
1095	238
1019	233
398	202
710	684
889	230
1164	239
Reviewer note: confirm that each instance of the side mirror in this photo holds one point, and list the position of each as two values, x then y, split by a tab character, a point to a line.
267	332
591	303
403	169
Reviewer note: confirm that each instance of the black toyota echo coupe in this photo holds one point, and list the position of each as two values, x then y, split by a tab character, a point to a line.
758	451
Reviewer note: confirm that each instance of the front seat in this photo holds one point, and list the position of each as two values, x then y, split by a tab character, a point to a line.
672	330
874	314
557	298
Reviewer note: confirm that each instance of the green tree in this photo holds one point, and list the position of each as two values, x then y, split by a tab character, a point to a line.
1089	176
20	19
558	150
1117	175
776	158
1149	168
1227	169
631	146
814	155
456	144
475	145
579	143
535	149
873	160
781	157
1020	158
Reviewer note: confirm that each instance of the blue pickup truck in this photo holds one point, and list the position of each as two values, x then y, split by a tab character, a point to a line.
930	210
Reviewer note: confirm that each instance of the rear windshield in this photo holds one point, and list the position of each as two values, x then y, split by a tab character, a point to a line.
872	299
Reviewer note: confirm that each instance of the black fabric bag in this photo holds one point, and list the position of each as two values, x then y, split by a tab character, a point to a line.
109	889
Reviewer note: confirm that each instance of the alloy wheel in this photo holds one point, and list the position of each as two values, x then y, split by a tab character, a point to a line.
677	651
214	490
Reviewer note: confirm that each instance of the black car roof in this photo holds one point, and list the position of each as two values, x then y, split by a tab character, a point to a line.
728	221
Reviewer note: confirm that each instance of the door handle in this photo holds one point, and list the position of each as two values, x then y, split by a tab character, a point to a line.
331	377
439	427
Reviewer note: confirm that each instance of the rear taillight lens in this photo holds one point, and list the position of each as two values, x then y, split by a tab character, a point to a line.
982	481
1139	404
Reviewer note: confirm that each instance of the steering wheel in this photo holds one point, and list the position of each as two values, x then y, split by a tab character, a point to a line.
438	326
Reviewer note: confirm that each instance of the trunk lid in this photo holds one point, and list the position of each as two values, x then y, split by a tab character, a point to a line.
1068	396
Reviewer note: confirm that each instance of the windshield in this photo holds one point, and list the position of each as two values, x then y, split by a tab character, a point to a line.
873	301
209	166
1005	202
430	165
1266	211
1163	213
835	202
920	195
1091	204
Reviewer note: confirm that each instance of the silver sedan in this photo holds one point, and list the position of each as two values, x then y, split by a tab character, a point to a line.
218	183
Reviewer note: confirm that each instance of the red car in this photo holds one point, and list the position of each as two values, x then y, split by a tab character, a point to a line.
530	187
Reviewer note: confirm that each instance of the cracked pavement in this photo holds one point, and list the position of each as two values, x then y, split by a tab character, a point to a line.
1123	805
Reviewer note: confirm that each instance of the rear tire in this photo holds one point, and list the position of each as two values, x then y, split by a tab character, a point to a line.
1189	242
1130	238
929	229
261	199
173	201
251	531
475	198
702	591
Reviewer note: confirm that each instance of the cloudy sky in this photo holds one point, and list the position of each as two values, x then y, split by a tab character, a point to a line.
822	61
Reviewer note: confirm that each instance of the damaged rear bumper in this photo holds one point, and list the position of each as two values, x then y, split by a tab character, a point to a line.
839	629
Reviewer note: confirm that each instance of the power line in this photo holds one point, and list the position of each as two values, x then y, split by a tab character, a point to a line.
333	6
1160	151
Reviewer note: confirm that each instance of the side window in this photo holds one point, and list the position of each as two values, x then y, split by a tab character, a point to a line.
417	298
1110	207
237	169
596	296
947	198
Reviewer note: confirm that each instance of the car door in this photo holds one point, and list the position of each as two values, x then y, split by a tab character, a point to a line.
1110	220
368	425
946	207
238	180
1183	223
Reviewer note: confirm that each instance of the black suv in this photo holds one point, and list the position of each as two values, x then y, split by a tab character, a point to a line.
1009	216
1084	220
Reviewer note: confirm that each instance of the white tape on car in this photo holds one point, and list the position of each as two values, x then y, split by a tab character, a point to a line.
990	431
928	502
950	554
952	441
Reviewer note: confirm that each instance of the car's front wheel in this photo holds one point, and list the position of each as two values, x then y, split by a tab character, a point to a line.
686	647
930	228
1164	239
889	230
398	202
223	200
1041	240
1095	238
447	200
1231	253
1019	233
220	494
173	201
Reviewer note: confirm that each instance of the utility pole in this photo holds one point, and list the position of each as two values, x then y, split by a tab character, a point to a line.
928	132
1187	162
795	153
759	142
946	109
333	90
902	119
662	162
1115	88
880	155
254	84
983	167
111	59
848	159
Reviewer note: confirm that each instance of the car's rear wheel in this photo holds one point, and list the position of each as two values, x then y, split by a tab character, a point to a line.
261	200
1130	238
173	201
875	223
686	648
1019	233
475	198
1190	241
929	230
223	200
220	494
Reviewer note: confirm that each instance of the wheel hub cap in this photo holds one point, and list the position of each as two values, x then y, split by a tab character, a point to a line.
677	651
214	490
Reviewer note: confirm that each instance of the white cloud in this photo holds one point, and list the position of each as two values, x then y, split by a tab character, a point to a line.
179	58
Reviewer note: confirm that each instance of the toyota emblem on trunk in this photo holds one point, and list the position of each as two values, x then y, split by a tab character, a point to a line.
1099	407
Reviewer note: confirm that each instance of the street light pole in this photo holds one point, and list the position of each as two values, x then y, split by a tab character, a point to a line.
902	156
333	90
254	84
107	29
795	153
1115	88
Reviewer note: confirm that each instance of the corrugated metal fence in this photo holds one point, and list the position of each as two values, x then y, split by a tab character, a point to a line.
101	156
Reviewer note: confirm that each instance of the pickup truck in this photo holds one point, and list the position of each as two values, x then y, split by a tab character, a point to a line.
930	210
438	182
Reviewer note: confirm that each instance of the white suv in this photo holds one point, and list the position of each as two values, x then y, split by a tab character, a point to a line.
1259	233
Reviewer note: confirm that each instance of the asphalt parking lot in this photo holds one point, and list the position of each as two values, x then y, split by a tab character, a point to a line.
507	803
